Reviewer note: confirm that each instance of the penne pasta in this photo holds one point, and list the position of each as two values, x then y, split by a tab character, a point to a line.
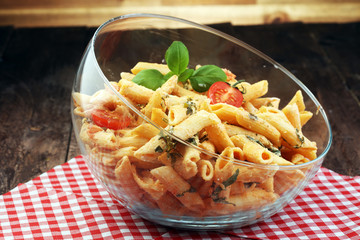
159	117
298	100
224	167
147	183
123	174
177	113
277	118
127	76
163	68
218	136
291	111
266	101
180	188
135	92
169	86
155	101
258	125
232	159
253	91
255	153
305	117
205	170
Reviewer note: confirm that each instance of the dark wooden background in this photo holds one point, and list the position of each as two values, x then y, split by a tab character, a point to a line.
38	65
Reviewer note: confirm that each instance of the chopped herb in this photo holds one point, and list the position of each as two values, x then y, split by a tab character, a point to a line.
222	200
193	140
253	116
162	103
274	150
169	142
165	120
158	149
203	138
239	81
231	179
255	140
173	156
270	148
190	106
301	138
215	195
140	106
243	89
170	145
186	85
190	190
269	104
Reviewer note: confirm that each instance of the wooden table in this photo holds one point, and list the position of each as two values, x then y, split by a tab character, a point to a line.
38	66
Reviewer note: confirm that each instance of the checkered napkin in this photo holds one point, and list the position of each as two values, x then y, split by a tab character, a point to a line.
68	203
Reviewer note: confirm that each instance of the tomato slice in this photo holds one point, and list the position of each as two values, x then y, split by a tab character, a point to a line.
222	92
109	119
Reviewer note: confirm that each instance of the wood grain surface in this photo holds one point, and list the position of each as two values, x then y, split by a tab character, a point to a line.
41	13
38	66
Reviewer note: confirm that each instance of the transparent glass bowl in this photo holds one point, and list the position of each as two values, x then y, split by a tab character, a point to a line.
116	47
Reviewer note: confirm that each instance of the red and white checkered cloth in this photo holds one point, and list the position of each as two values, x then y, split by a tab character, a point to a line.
68	203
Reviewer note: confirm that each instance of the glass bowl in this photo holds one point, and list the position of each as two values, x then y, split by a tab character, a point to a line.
186	173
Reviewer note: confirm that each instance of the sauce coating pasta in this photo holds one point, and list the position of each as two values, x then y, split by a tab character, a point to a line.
151	168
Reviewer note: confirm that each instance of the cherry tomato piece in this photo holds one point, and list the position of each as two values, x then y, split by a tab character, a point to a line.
109	119
222	92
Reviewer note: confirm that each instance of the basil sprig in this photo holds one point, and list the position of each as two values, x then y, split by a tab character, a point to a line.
177	59
150	78
205	76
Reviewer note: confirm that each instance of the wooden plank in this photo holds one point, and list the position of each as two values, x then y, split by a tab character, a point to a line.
36	76
205	2
240	14
304	54
26	4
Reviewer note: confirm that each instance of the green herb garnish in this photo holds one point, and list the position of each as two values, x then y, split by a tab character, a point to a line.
242	90
253	116
205	76
170	144
215	195
150	78
203	138
177	59
270	148
301	138
190	106
193	140
165	120
158	149
190	190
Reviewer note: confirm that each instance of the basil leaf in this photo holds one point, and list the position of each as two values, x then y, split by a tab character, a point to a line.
168	75
185	75
177	57
150	78
205	76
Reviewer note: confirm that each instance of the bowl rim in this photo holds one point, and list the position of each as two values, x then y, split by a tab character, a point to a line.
236	41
